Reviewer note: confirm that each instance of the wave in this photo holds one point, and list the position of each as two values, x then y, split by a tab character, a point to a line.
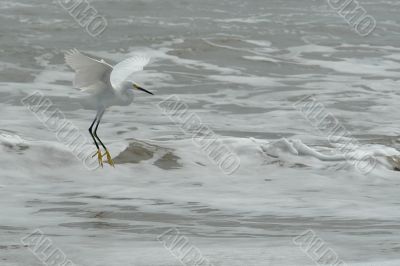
177	154
295	152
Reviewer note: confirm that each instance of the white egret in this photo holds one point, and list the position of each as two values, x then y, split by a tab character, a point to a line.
106	85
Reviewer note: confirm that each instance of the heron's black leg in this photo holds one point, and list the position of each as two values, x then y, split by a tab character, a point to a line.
99	116
98	153
91	132
109	159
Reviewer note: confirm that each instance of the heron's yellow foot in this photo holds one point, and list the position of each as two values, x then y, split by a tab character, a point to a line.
99	157
109	159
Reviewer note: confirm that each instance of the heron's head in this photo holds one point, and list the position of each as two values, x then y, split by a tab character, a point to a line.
137	87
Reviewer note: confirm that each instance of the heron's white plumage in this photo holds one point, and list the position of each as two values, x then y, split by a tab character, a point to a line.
97	76
91	75
125	68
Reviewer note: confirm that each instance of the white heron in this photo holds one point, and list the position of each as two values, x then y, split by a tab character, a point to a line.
106	85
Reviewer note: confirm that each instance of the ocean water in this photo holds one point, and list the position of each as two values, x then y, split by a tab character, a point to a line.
241	67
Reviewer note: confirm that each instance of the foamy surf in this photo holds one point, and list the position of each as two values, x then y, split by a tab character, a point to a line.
295	152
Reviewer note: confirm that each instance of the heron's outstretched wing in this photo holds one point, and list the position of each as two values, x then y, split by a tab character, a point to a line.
91	75
125	68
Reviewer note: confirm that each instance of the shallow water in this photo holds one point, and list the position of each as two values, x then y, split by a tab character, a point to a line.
240	66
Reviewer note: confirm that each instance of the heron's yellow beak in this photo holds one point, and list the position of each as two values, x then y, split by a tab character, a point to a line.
141	89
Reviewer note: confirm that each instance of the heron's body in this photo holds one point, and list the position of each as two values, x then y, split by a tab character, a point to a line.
112	97
105	85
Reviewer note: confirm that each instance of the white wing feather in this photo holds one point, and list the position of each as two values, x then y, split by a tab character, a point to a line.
126	67
91	75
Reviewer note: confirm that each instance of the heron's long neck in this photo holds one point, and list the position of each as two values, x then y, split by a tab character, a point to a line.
125	94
